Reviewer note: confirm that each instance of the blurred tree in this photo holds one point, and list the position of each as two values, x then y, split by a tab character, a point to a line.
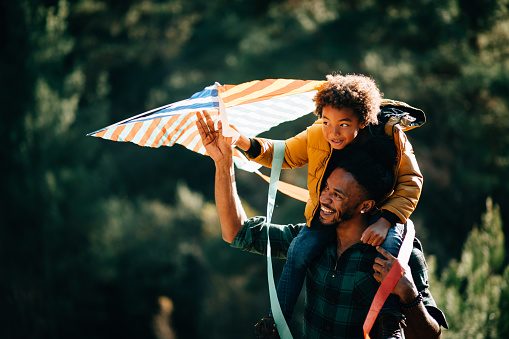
471	291
42	218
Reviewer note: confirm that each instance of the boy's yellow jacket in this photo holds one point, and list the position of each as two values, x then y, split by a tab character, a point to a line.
310	147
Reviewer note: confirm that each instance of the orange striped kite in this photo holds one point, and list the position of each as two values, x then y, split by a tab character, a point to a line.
252	107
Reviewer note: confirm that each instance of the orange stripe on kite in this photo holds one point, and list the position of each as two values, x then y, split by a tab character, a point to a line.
134	131
294	87
101	134
163	128
269	87
149	131
116	132
251	88
178	130
189	138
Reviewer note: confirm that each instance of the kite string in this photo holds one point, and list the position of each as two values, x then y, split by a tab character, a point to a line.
279	319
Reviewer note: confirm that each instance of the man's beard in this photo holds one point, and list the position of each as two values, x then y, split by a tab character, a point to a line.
347	215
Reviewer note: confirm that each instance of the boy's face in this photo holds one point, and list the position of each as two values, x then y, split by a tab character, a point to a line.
340	126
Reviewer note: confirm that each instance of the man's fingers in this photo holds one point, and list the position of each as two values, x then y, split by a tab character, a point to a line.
208	119
201	124
385	253
377	267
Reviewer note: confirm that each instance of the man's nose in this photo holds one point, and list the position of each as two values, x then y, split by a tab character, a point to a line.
324	197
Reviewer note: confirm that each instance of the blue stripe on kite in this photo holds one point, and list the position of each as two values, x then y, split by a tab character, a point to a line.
190	107
205	93
167	111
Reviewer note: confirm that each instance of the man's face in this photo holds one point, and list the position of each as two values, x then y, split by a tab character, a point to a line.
340	198
340	126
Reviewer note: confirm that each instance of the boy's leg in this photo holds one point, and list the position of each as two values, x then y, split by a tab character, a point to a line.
302	251
392	244
394	239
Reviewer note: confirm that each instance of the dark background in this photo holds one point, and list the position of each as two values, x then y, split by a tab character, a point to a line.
110	240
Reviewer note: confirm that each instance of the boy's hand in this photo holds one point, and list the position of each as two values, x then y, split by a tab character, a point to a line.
376	233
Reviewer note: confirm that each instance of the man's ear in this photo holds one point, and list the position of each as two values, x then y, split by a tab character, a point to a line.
366	206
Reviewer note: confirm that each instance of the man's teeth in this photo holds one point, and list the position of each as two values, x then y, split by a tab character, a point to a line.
326	210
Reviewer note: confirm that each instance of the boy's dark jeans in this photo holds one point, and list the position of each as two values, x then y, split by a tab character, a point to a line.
306	246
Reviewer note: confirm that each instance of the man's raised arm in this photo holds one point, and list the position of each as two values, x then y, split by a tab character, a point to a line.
229	208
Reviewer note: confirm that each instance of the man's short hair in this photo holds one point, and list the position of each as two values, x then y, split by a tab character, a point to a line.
371	162
358	92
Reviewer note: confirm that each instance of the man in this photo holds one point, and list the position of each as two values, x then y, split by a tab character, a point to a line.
340	283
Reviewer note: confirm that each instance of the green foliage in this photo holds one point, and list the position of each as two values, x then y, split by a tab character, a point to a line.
473	291
98	238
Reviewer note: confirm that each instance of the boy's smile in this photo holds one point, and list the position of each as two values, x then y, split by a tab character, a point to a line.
340	126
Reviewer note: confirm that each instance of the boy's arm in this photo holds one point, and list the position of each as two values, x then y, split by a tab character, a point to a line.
407	189
244	143
295	150
409	180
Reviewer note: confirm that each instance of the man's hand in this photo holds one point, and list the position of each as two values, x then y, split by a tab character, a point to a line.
420	323
218	147
376	233
405	289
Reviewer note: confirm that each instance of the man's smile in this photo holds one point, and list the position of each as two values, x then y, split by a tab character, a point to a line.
326	210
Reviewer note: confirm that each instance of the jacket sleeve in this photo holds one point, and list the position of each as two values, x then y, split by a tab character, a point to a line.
403	201
295	151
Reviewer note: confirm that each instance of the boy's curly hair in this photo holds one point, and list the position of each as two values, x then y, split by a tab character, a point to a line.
358	92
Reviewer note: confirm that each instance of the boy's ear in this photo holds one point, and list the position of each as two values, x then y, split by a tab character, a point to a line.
363	125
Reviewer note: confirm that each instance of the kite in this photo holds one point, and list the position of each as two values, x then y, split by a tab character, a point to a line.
252	107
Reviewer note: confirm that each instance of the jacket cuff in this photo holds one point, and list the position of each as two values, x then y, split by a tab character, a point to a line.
390	217
255	149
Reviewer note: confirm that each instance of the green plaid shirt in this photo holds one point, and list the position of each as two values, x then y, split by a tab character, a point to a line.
339	290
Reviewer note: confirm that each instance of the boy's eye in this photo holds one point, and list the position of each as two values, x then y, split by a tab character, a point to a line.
344	125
